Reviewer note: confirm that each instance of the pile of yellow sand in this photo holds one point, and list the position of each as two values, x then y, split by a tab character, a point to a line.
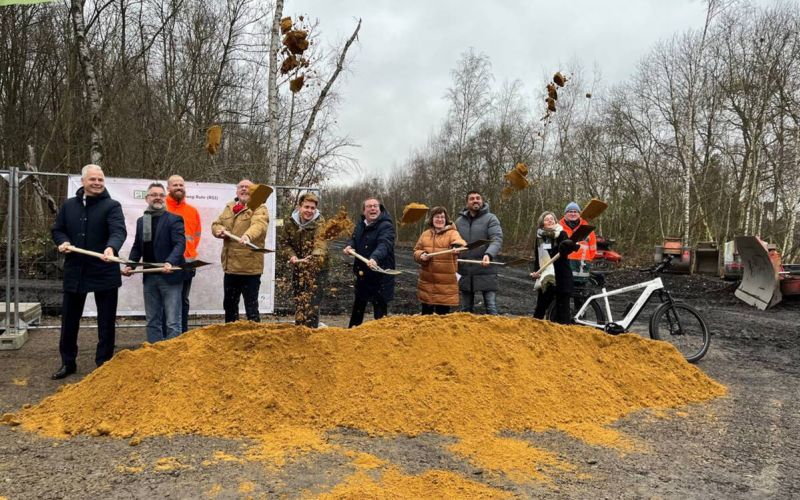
462	375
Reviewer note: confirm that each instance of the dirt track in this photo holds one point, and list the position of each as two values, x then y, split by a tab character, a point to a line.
743	446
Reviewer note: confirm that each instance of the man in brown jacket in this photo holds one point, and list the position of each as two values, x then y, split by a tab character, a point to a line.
308	256
243	267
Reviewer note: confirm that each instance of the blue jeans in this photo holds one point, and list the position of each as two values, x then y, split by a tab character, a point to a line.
162	302
489	301
187	288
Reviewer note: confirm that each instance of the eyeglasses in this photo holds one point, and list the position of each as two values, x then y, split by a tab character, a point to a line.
573	211
154	195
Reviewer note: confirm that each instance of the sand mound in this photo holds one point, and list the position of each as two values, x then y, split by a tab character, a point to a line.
468	376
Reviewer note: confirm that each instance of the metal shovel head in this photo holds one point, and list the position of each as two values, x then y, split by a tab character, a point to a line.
517	262
259	249
390	272
581	233
258	195
187	266
413	212
760	286
477	243
594	209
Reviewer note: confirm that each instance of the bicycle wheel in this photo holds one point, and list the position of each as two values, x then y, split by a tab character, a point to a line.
593	314
683	327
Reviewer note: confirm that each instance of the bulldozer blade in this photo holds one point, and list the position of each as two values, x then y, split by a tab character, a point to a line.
760	286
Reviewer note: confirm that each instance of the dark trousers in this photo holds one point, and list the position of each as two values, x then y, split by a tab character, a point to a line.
71	313
308	287
241	285
434	309
563	313
187	287
379	310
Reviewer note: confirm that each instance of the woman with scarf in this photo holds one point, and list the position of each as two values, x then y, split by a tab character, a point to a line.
555	281
437	288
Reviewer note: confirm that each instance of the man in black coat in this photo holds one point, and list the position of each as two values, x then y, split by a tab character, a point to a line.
92	221
373	238
160	237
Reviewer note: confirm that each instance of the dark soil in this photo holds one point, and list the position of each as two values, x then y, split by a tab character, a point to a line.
745	445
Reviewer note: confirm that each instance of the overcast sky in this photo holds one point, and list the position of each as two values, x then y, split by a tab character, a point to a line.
393	96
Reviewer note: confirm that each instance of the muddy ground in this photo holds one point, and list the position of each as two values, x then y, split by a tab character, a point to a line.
746	445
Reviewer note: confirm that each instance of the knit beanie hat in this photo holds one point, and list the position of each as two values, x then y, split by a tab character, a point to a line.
572	206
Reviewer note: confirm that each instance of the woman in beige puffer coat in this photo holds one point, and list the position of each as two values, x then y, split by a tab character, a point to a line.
437	288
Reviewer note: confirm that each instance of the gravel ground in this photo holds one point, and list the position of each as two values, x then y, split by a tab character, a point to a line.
745	445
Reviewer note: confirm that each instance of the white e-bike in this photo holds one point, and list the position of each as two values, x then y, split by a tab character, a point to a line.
675	322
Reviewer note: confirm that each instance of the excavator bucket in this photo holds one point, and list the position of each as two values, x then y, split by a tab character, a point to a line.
760	285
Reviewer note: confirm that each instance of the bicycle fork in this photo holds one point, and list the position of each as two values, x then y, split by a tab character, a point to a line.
673	319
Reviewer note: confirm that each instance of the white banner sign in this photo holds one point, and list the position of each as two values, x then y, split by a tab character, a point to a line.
209	199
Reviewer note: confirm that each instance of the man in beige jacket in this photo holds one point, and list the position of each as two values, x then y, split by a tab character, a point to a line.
242	267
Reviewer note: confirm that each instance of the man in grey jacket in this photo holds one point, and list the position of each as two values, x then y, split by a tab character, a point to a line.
477	223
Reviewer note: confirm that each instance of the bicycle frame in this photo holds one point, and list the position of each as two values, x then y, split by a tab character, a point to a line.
649	287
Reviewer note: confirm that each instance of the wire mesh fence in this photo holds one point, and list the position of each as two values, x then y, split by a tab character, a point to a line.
39	275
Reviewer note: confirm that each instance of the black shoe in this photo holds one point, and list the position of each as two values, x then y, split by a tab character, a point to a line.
63	372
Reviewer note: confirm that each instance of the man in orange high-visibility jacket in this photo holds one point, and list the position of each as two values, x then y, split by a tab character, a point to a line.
176	204
579	260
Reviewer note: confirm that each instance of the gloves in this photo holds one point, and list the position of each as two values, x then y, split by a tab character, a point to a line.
566	247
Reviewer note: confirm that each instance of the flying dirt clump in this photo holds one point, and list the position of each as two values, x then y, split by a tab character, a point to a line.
336	226
397	376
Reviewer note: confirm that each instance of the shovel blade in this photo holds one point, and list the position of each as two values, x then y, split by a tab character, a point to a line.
517	262
187	266
581	233
477	243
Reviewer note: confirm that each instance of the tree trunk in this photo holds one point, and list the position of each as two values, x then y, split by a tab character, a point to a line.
92	88
272	92
793	204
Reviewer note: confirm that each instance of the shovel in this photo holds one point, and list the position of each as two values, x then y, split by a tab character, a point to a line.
474	244
258	195
248	244
187	266
510	263
115	259
581	233
391	272
593	209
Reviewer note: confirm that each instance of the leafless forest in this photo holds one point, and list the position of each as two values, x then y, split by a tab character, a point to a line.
702	140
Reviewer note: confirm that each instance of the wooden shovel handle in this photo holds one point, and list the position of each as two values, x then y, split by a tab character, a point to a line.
549	261
470	261
95	254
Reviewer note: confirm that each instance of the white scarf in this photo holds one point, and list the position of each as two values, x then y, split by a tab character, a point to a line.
548	276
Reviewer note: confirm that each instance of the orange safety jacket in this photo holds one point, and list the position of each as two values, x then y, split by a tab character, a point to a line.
588	247
191	223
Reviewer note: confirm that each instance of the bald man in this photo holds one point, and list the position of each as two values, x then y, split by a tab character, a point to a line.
176	204
91	220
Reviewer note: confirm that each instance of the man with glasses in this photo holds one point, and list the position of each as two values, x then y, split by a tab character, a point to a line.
160	238
579	260
373	238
